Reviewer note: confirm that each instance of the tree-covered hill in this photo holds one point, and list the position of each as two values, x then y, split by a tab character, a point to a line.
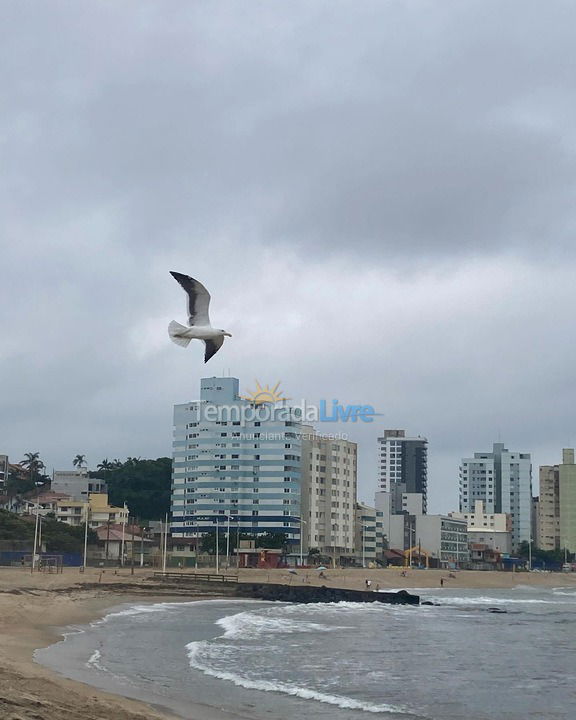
144	485
57	536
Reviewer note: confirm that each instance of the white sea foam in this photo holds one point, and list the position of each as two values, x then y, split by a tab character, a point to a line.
94	661
488	600
163	607
570	592
196	650
250	625
344	607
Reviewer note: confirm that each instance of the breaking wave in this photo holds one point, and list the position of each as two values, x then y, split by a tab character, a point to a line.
249	626
197	652
206	655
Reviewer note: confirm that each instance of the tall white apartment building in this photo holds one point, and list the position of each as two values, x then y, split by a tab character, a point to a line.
503	481
329	486
235	464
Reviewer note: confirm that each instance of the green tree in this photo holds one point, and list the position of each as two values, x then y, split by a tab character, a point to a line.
19	482
208	541
263	540
552	558
34	466
271	540
144	485
79	461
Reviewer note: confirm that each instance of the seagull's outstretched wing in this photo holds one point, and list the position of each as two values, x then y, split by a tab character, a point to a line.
212	347
198	299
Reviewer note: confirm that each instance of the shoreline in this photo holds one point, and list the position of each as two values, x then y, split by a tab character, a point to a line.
29	689
35	610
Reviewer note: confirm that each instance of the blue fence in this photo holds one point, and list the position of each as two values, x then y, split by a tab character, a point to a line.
17	557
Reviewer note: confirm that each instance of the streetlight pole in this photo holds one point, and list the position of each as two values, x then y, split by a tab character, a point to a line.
530	553
302	541
122	546
85	540
217	547
165	544
35	539
411	530
363	545
228	542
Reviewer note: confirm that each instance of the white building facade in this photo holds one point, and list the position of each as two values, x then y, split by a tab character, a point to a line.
502	480
76	484
235	465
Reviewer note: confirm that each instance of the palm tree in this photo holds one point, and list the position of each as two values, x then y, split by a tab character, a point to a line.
32	463
79	461
105	465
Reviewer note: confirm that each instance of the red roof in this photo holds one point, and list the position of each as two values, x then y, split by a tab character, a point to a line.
114	532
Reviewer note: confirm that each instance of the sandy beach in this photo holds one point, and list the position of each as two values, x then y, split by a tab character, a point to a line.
32	608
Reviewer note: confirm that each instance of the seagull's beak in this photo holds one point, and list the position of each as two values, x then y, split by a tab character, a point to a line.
228	334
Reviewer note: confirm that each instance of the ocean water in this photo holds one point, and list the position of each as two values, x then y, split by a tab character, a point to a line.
454	661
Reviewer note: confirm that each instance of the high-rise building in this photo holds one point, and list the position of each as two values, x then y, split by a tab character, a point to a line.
548	537
403	470
567	487
236	465
328	493
557	504
503	481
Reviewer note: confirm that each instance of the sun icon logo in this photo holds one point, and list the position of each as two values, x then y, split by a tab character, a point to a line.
265	394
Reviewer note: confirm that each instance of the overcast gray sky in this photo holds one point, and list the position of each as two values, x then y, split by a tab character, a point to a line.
378	194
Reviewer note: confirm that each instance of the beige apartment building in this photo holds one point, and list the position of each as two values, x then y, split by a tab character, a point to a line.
557	504
100	512
491	529
549	508
329	486
479	518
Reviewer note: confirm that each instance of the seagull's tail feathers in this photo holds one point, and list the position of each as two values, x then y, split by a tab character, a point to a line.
175	331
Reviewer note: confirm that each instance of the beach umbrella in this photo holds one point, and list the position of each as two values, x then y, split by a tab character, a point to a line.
293	572
321	568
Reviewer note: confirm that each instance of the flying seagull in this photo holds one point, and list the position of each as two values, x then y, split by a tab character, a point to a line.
198	318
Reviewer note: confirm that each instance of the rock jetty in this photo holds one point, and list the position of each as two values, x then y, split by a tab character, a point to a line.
322	594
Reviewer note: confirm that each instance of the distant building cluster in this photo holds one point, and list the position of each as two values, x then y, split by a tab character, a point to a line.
279	475
240	471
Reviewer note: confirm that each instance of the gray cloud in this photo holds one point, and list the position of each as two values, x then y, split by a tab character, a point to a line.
419	156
